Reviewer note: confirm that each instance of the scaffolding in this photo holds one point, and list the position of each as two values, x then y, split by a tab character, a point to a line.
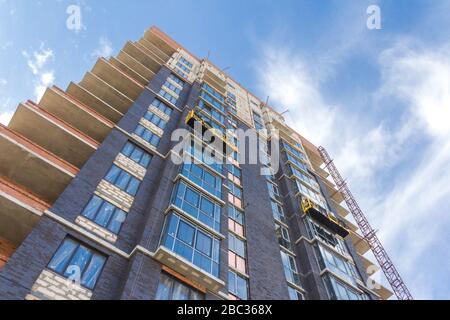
386	264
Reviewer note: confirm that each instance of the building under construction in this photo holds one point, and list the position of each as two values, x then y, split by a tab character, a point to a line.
88	192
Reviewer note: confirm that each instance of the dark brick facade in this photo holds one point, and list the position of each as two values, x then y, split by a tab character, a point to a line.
136	277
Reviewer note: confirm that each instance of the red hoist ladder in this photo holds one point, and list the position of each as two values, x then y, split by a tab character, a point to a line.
392	275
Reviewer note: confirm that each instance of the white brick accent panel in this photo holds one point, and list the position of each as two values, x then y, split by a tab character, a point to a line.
51	286
130	166
117	197
145	143
94	228
159	113
153	128
176	95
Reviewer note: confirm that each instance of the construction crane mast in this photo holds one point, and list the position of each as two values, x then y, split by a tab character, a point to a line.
386	264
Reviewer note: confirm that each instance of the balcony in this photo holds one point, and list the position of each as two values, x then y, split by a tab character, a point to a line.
117	79
129	71
361	245
369	265
161	41
341	210
148	61
214	78
334	194
325	219
106	93
187	269
154	49
29	165
94	102
134	64
75	113
382	291
20	211
312	152
321	172
53	134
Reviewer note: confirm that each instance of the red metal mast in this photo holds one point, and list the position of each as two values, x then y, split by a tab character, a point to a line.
392	275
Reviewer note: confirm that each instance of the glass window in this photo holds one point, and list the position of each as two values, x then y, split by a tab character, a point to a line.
197	205
162	107
183	67
237	285
213	92
235	190
203	178
213	101
177	80
204	244
147	135
283	236
259	124
186	62
294	294
167	95
299	154
181	73
186	233
277	211
104	214
72	259
273	191
136	154
235	214
172	87
290	268
191	243
236	245
212	112
123	180
235	171
207	156
316	231
170	288
336	264
157	121
337	290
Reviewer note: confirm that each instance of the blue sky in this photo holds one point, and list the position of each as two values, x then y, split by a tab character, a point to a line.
379	100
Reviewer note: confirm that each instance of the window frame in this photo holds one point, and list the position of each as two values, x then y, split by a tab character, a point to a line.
97	211
119	176
78	245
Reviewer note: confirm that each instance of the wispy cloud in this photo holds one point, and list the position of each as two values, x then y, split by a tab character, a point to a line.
367	151
37	61
415	211
104	49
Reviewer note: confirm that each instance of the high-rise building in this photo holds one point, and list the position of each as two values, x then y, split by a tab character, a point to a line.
93	206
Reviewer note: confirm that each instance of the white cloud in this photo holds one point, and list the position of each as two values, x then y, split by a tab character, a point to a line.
416	211
46	80
104	48
5	112
5	117
364	149
421	78
43	77
3	82
38	59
